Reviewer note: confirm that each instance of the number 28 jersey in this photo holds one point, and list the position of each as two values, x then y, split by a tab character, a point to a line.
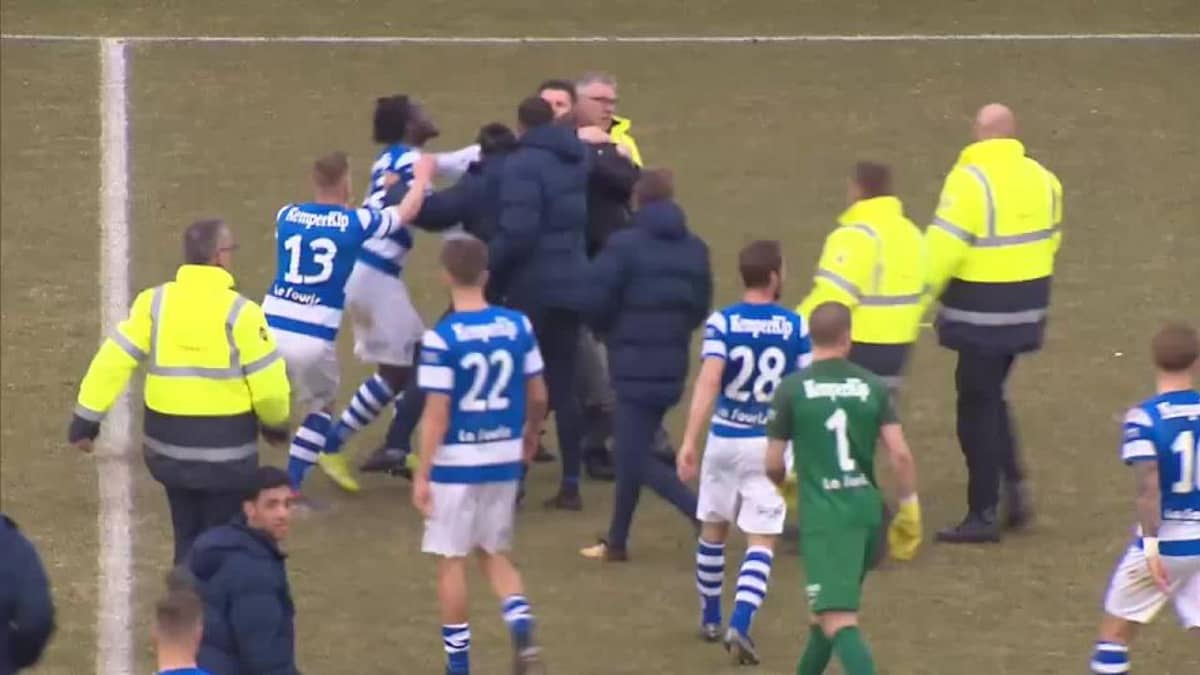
1166	429
760	344
481	360
316	245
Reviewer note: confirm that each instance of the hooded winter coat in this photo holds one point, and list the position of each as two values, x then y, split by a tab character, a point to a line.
650	289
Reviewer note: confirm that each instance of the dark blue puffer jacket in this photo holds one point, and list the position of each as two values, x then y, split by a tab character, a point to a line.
249	618
26	608
473	201
651	288
538	250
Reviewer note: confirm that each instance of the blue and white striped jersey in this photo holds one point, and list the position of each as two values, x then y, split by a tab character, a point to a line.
316	245
1166	429
388	254
482	360
761	344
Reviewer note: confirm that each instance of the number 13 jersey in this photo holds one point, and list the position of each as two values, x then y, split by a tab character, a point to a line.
317	245
760	344
480	359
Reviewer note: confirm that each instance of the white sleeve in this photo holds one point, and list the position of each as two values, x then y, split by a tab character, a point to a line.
714	337
435	372
379	223
451	165
534	365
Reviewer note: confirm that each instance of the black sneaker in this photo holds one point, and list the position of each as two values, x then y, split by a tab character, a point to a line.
741	648
565	500
976	528
387	460
1018	505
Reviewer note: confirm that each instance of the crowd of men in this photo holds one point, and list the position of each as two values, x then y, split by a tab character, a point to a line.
575	288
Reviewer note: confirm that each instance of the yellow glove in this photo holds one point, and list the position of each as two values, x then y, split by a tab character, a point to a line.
904	534
790	491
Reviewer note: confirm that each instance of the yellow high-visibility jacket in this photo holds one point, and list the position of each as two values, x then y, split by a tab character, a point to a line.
992	246
621	135
213	376
874	263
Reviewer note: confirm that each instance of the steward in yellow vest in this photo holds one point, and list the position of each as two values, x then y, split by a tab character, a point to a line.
213	382
874	264
991	249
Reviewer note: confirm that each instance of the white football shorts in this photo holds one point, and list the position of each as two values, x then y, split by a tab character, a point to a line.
387	328
470	516
312	369
1133	596
734	486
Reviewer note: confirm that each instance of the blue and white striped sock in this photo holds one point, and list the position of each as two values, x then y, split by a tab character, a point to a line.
519	617
1110	658
373	395
710	575
307	444
456	640
751	587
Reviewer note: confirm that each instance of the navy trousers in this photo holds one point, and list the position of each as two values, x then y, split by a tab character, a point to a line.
633	442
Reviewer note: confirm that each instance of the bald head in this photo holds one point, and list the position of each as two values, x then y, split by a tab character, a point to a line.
995	120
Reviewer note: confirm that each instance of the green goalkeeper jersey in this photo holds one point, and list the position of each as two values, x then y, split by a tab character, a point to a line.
832	412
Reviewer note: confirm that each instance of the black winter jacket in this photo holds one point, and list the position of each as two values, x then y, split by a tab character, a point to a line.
651	288
611	178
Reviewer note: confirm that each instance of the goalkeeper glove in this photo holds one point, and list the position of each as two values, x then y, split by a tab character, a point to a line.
904	534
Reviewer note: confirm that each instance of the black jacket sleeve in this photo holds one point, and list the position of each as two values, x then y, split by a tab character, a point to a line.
612	173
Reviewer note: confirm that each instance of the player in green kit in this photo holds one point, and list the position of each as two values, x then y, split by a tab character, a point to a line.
833	413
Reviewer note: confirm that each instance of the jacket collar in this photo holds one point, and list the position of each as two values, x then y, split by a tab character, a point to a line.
991	149
872	209
204	275
620	125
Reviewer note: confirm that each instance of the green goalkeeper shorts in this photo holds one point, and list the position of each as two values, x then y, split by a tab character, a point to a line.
835	564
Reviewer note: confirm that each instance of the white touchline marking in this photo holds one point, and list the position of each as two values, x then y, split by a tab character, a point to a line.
614	39
114	610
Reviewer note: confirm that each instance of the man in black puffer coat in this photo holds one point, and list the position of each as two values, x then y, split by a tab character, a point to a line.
26	608
650	289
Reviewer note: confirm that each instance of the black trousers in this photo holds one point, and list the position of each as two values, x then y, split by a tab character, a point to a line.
985	427
633	441
194	511
557	333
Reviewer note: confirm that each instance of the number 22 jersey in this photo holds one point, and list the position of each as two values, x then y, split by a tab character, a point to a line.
481	360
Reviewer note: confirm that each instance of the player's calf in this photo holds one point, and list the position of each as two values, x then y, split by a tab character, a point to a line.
514	606
710	577
307	445
452	599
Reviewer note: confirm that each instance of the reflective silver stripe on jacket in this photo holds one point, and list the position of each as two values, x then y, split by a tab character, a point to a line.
871	299
88	414
189	454
994	240
233	371
128	347
993	318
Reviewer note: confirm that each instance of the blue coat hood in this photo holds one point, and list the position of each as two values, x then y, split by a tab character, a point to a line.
662	220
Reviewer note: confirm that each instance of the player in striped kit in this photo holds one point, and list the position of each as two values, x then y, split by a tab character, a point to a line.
485	402
317	243
387	328
1162	444
761	342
